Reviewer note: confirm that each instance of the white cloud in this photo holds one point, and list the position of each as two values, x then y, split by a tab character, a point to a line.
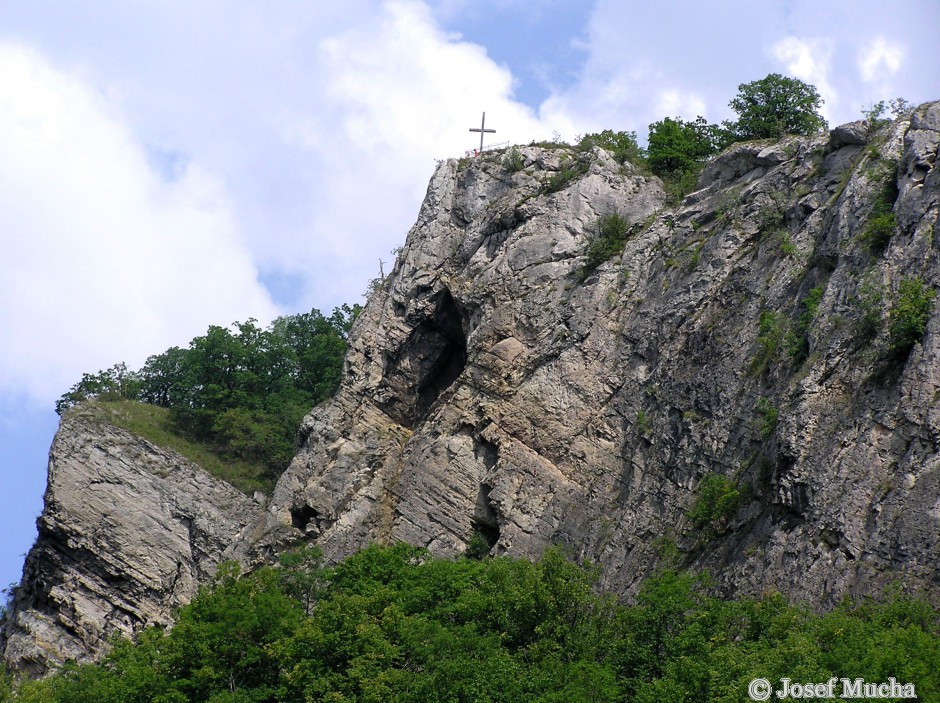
879	60
810	60
410	88
103	260
675	103
393	94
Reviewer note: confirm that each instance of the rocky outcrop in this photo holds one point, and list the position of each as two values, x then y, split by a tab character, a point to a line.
497	385
494	386
128	533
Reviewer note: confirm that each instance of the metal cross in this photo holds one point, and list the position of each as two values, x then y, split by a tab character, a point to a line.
482	130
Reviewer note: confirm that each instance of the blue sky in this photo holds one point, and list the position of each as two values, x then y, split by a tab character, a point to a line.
167	166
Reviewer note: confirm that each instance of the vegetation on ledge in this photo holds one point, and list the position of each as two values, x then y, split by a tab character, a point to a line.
153	423
394	624
239	391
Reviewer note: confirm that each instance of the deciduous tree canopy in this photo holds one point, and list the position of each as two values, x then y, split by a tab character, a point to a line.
242	389
395	624
774	106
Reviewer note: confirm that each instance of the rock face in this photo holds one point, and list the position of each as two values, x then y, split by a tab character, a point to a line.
496	385
128	533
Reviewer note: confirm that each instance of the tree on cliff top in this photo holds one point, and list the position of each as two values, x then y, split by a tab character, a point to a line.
774	106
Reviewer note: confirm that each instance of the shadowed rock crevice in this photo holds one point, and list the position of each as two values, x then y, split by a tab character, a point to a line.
302	517
431	359
485	518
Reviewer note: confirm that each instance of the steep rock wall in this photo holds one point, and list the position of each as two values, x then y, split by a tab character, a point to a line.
127	534
494	386
489	389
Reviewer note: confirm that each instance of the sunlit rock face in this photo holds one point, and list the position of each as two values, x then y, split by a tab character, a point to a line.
495	386
498	385
127	534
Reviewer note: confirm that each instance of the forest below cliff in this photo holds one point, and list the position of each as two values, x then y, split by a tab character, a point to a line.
396	624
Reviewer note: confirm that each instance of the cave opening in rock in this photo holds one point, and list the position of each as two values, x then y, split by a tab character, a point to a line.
302	516
432	358
447	353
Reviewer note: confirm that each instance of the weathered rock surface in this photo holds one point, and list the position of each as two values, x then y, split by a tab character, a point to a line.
128	533
488	389
494	385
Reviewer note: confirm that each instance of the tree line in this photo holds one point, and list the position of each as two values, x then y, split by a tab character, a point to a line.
768	108
395	624
243	389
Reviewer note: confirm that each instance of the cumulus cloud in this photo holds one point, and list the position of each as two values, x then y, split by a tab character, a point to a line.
810	60
879	60
394	94
677	103
143	213
104	260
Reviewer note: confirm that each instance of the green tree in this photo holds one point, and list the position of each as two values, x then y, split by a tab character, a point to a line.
622	145
677	147
717	498
221	642
242	389
774	106
161	378
110	384
395	624
909	316
302	575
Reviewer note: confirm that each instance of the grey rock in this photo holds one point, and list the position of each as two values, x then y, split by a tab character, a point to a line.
128	533
493	385
737	161
488	388
851	134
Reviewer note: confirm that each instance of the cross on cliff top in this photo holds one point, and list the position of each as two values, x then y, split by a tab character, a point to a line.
482	130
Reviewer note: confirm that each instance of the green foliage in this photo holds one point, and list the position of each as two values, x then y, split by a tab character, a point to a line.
774	106
622	145
677	150
787	247
609	239
874	115
878	231
241	390
223	640
882	221
871	303
513	160
110	384
797	339
909	315
769	336
677	186
717	500
478	547
643	423
768	417
394	624
570	170
302	575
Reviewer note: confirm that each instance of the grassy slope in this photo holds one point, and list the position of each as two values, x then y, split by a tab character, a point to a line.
153	424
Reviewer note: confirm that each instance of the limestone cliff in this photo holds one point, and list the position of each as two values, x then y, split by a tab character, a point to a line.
489	389
128	533
496	385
